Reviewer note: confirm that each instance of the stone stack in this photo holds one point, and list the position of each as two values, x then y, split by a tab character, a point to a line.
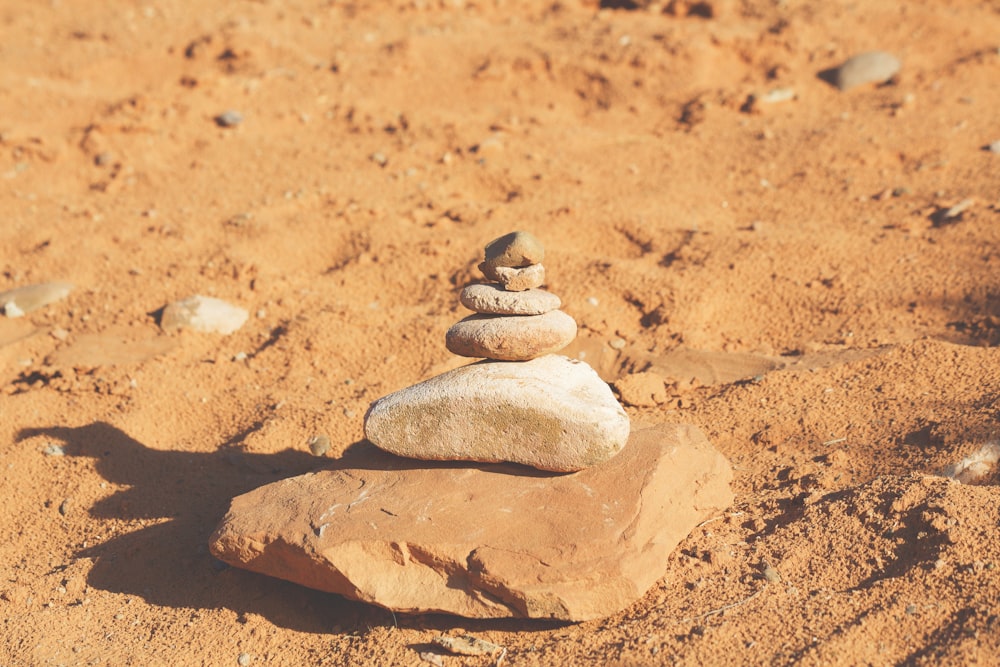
523	404
490	541
514	320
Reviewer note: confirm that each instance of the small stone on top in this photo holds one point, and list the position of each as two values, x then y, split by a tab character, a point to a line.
516	249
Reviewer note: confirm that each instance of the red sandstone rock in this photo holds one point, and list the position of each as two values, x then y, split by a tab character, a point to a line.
485	542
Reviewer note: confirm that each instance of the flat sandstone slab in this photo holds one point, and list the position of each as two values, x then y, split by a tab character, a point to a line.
488	542
550	413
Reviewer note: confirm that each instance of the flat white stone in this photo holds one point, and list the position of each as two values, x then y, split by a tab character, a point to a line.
20	301
511	337
493	299
203	313
551	413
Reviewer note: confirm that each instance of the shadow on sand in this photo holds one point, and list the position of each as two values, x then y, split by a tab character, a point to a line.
160	523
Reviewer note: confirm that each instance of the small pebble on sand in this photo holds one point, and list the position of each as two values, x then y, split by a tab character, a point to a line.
319	445
53	450
994	147
203	313
869	67
20	301
229	118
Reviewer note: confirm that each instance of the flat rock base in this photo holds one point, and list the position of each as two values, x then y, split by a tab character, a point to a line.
484	542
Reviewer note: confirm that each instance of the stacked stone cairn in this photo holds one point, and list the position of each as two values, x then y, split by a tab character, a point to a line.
522	404
491	541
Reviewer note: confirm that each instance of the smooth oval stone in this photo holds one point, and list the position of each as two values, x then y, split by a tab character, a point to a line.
22	300
511	337
870	67
550	413
514	249
493	299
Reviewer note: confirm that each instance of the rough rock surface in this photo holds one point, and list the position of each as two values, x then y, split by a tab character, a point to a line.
551	413
511	337
492	299
484	542
644	390
514	249
521	278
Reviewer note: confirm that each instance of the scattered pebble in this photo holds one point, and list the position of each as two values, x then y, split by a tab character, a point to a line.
994	147
617	343
229	118
432	658
203	313
54	450
757	101
467	645
770	573
64	506
958	209
349	413
319	445
975	466
240	356
379	158
244	659
22	300
592	300
870	67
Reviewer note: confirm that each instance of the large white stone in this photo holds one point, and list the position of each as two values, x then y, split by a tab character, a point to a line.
551	413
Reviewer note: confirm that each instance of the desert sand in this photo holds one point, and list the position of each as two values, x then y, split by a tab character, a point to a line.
812	277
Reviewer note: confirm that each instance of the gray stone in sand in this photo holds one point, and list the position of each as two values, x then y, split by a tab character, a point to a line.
493	299
486	542
551	413
870	67
511	337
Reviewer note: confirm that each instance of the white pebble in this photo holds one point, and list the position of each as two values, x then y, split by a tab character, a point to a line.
203	313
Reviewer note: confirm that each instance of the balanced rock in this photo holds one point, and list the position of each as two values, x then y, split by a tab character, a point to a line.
550	413
511	337
519	279
491	299
870	67
514	250
487	542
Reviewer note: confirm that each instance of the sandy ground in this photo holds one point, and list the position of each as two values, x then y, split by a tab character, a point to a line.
789	268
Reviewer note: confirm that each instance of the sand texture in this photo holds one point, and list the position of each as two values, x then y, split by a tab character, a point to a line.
813	273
